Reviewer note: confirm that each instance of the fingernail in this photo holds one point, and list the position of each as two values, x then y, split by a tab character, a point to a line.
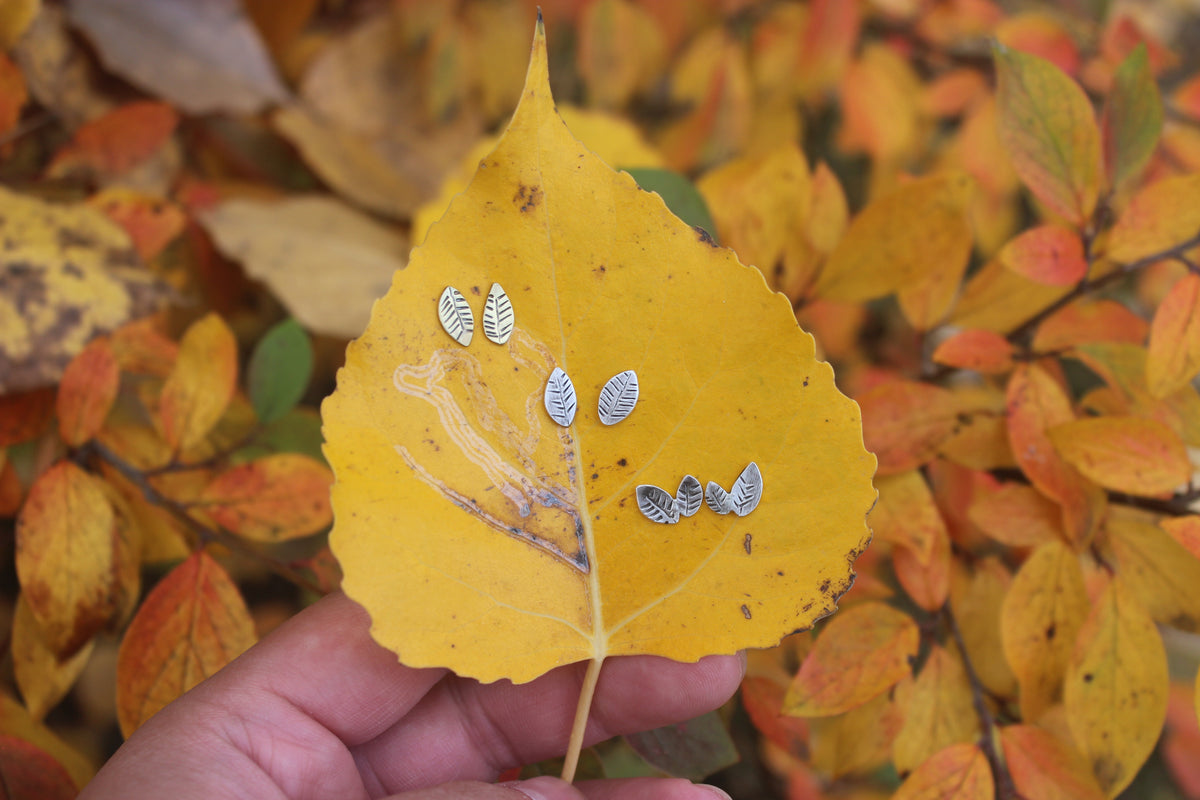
544	787
717	792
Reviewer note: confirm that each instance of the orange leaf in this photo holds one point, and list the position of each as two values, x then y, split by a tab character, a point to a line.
1185	530
71	555
271	499
1045	767
1095	321
1049	254
762	697
193	623
927	584
1050	132
151	222
901	239
906	515
29	773
1160	216
1018	516
1043	610
879	96
25	415
142	348
201	383
13	94
1132	119
12	493
938	712
978	350
1036	403
118	141
87	392
1043	35
1173	355
1116	688
960	772
1158	571
904	422
1127	454
860	654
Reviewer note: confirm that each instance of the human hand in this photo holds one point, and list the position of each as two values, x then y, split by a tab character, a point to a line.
319	710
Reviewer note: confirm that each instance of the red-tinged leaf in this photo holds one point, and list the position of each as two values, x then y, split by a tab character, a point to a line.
1158	571
1185	530
762	697
830	39
860	654
322	569
1134	455
1132	119
271	499
951	93
1083	322
12	493
998	299
29	773
927	584
118	141
1017	515
87	392
72	553
1048	128
151	222
1181	753
13	94
694	749
1049	254
960	772
879	97
25	415
1036	403
904	422
1045	767
1116	688
938	712
1173	355
906	515
142	348
193	623
1043	610
1041	34
978	350
201	383
1160	216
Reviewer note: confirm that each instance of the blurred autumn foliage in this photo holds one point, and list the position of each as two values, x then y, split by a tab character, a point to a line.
988	214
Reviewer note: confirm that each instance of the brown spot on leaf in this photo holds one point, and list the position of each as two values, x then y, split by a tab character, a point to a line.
704	236
527	198
622	462
746	543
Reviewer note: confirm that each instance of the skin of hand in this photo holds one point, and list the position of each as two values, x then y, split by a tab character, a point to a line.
319	710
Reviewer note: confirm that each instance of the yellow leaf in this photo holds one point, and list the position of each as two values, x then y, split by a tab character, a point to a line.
1160	216
938	712
1116	688
1046	767
997	299
1127	454
1185	530
453	482
856	742
1017	515
901	239
1158	571
1173	354
620	51
15	17
1043	610
977	598
906	514
41	676
960	772
201	383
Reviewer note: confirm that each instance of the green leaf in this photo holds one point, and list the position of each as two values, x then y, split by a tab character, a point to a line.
694	749
1132	121
279	370
680	195
297	431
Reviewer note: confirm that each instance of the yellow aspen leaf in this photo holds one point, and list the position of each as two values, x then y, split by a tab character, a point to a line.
1050	132
1045	607
906	515
1127	454
70	549
1046	767
1037	403
960	772
860	654
1173	354
901	239
979	350
87	392
927	584
997	299
938	712
453	480
1132	119
190	625
1090	321
1158	571
200	385
976	598
1116	688
1017	515
905	422
1185	530
271	499
856	742
1160	216
42	677
1049	254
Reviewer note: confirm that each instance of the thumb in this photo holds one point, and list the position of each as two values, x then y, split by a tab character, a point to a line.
543	788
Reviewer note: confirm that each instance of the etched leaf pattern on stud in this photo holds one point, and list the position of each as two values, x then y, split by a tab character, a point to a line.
657	505
688	496
746	491
498	315
717	498
560	398
456	316
618	397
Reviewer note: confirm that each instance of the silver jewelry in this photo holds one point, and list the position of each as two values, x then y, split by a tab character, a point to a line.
618	397
560	398
456	316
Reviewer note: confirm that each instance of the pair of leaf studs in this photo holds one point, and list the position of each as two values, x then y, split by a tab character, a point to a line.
617	398
659	506
458	321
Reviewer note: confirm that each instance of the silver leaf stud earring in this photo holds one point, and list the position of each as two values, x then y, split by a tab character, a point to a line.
497	315
657	505
560	398
618	397
688	496
455	314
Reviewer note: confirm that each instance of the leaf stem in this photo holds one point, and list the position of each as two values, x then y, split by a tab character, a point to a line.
586	692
